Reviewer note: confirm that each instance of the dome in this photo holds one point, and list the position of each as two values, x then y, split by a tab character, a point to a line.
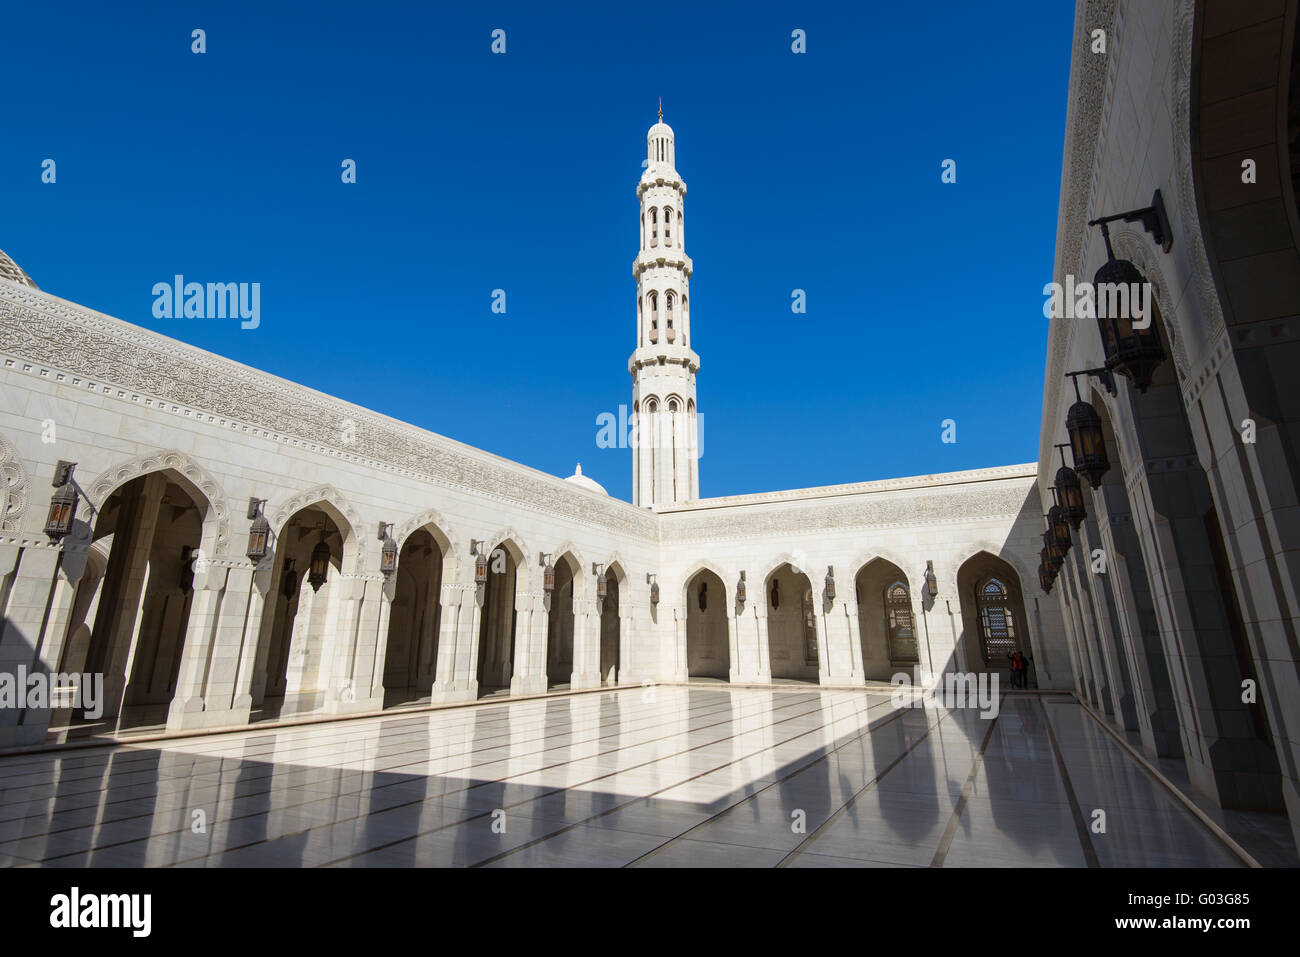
13	272
580	480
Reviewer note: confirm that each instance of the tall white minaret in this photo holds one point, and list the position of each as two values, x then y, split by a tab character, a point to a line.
665	463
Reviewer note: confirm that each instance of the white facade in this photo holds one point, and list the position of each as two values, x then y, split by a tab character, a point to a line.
171	443
1189	637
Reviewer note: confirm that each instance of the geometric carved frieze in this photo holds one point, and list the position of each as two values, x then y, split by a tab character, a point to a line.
144	366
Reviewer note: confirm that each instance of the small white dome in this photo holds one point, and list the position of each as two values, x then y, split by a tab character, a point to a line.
580	480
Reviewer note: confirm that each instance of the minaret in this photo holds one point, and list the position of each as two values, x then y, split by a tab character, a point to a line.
665	464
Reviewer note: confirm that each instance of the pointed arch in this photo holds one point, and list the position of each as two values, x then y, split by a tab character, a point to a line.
207	492
344	515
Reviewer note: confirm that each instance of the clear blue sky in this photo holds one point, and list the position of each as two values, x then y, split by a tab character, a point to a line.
475	172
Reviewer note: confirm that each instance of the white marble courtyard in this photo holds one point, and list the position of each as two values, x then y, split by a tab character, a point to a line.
670	776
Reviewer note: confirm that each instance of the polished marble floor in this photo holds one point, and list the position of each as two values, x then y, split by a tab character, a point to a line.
647	777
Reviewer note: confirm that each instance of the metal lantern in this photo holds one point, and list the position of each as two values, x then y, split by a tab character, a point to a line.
740	588
387	554
654	588
602	581
1045	578
1087	442
548	572
1055	552
1130	352
1059	527
1070	493
63	503
1053	563
830	582
480	563
259	532
289	586
320	563
931	582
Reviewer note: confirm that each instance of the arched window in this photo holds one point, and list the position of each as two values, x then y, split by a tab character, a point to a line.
654	316
681	237
654	226
668	302
997	624
668	225
643	230
672	405
898	624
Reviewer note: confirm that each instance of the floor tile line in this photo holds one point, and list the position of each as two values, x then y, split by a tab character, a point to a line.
808	840
372	790
1080	825
945	842
857	714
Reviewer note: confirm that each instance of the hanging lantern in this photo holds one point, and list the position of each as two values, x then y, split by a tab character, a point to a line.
289	585
320	563
1070	493
548	573
259	532
480	563
1045	579
1053	564
388	553
740	588
1130	351
931	582
1087	442
63	503
1059	527
1055	552
830	582
602	582
654	588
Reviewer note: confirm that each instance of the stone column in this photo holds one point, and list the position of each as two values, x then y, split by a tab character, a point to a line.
733	643
206	607
456	675
31	634
764	644
857	666
681	663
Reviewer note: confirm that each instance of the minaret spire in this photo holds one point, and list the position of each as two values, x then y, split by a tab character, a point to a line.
665	456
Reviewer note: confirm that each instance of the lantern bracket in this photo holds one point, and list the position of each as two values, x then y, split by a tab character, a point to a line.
255	507
1102	375
1154	219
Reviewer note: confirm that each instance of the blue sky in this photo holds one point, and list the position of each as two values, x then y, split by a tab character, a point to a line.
477	171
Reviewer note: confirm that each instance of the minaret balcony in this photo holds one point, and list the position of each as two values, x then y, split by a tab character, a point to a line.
662	256
663	354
